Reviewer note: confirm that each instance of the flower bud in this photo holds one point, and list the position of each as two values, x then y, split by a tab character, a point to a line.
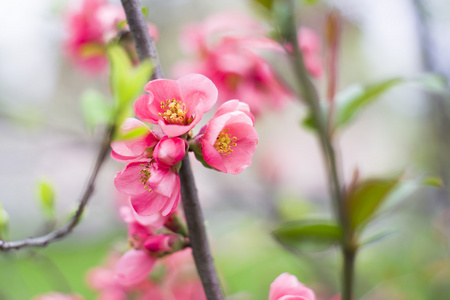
170	151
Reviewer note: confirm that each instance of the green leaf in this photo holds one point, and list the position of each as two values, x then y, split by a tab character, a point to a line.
127	82
4	224
121	25
309	235
433	181
364	199
96	110
46	198
132	134
145	11
308	121
352	100
310	2
404	190
267	4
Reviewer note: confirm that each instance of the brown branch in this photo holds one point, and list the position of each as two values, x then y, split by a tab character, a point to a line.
42	241
197	233
145	47
194	217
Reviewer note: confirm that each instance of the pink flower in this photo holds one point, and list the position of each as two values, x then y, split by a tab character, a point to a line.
287	287
134	266
90	27
232	106
134	148
229	140
181	276
130	217
174	277
170	151
176	106
200	37
236	67
151	188
87	28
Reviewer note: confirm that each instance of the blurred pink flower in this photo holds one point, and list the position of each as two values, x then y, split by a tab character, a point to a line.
134	266
170	151
151	188
200	38
228	141
240	72
130	217
58	296
90	27
181	276
311	47
229	50
176	106
287	287
134	148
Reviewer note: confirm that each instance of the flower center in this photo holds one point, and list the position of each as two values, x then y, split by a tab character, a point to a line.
224	142
174	112
145	176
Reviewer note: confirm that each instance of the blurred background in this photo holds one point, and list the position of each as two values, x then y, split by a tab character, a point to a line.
44	137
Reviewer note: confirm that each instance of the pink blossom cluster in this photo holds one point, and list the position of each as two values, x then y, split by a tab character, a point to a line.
172	277
141	272
150	180
226	143
228	49
90	27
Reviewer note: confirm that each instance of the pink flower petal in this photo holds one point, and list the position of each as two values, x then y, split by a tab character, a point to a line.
128	180
141	108
232	106
287	285
173	201
133	267
133	148
195	88
163	89
148	204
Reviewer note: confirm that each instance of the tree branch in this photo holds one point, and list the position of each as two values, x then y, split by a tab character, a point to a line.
191	205
145	47
44	240
309	94
197	233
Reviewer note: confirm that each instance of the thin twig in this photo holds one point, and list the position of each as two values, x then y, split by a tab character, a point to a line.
42	241
309	94
194	217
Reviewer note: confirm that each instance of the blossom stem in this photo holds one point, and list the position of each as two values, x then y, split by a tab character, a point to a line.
194	217
42	241
309	94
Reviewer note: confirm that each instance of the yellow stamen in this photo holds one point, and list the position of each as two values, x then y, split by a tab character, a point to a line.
174	112
224	142
145	176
